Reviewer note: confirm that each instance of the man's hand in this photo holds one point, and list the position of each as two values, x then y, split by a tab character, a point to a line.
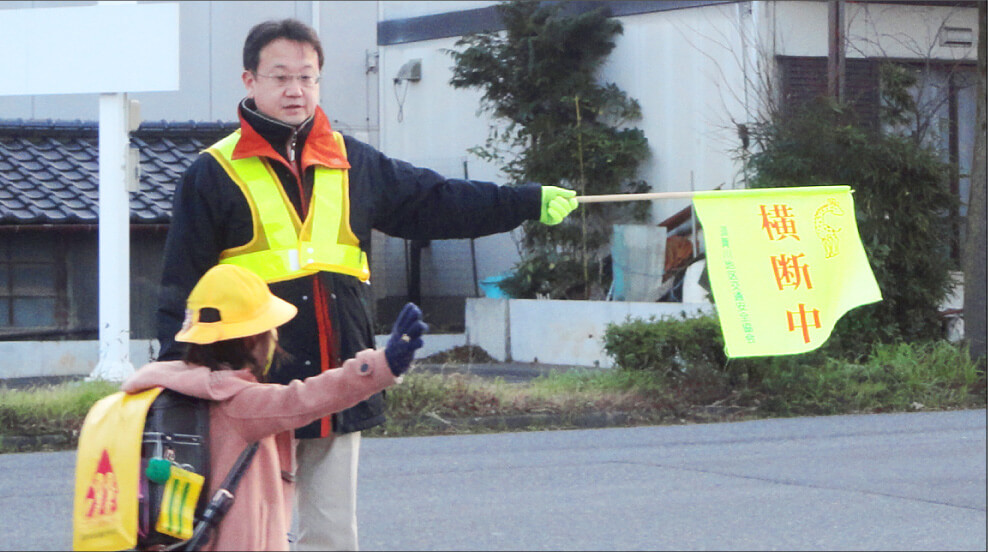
406	337
556	204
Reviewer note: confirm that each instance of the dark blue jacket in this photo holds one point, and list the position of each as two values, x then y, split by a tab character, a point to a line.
334	322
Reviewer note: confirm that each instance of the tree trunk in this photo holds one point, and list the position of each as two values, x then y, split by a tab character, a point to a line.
974	248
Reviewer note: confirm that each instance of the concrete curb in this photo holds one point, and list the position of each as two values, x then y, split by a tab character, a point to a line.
33	443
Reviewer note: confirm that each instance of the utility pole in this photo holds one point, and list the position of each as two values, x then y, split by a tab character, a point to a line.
975	264
835	49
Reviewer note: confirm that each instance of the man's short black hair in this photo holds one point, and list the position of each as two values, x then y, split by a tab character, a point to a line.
264	33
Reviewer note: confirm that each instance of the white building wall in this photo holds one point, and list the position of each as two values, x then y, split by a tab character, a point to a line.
418	8
889	30
430	124
559	332
684	68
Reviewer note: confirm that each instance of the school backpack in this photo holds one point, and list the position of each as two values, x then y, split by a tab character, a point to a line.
174	446
143	465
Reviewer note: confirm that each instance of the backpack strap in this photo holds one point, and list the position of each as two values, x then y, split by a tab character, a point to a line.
222	500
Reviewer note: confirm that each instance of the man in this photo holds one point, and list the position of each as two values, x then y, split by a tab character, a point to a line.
295	202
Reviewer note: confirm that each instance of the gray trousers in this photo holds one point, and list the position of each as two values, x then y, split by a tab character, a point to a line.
326	493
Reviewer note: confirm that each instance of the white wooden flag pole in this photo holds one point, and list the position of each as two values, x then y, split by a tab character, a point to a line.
607	198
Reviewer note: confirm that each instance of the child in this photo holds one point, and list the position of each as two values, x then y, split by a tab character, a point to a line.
230	326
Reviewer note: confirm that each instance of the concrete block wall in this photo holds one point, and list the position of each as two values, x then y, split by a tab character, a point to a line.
557	332
27	359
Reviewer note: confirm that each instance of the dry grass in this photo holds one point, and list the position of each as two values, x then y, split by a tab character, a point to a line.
431	404
896	378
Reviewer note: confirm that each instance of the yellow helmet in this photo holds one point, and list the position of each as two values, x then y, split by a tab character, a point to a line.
230	302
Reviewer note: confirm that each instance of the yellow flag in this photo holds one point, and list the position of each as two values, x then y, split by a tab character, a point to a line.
784	264
107	472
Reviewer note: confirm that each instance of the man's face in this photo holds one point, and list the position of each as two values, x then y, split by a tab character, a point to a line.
290	102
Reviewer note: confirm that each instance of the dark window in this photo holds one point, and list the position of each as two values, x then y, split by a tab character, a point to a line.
945	100
28	282
805	78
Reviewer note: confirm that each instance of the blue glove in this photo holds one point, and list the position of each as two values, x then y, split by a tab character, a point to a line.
406	337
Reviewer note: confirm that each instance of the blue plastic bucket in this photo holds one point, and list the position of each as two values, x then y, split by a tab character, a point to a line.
491	286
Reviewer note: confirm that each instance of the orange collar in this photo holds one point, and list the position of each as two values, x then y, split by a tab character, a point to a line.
320	147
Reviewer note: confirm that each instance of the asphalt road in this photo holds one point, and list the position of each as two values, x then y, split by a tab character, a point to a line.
876	482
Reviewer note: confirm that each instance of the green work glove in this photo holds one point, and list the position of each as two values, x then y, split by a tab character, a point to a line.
556	204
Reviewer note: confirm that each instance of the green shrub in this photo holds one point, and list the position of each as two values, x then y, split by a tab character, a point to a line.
550	275
688	354
676	346
669	346
894	377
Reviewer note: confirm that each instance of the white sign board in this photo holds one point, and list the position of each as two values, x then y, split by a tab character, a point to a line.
90	49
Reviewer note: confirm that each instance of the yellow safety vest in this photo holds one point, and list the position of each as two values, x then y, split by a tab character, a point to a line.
283	247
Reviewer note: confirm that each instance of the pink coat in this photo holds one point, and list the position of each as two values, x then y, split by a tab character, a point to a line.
245	411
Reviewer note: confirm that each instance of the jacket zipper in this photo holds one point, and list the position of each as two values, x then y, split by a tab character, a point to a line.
297	171
292	142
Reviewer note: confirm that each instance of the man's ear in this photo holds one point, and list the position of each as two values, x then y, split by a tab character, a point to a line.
249	81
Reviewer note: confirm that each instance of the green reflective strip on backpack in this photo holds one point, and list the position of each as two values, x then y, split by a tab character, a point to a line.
178	503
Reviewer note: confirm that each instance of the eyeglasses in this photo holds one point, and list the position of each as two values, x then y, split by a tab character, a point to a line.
306	81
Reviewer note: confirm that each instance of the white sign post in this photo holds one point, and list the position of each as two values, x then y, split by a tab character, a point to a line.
110	49
114	241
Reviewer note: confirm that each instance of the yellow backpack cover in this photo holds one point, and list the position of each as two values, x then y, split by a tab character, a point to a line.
105	509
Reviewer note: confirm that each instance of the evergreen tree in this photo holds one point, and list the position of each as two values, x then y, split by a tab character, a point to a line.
557	125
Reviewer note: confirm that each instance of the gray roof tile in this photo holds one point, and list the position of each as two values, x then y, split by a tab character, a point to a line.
49	170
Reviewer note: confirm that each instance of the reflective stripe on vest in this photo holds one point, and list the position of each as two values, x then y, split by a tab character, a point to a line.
283	247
